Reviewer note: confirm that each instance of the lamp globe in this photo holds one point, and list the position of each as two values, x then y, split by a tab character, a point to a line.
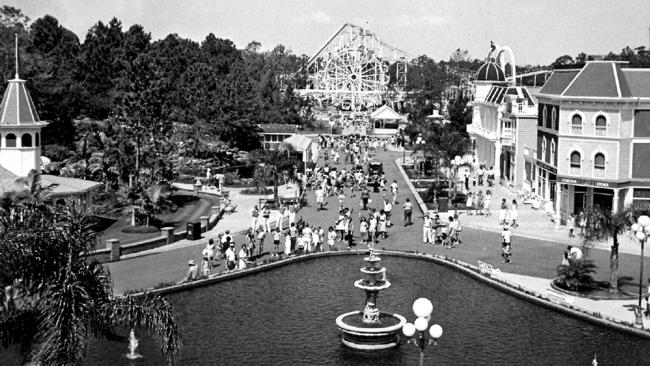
422	307
635	227
640	235
421	324
643	220
408	329
435	331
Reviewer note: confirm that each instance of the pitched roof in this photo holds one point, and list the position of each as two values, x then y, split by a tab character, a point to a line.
558	81
597	79
386	112
278	128
638	80
64	186
299	142
497	94
17	107
605	79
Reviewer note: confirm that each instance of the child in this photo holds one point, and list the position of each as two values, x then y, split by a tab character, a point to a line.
331	237
469	203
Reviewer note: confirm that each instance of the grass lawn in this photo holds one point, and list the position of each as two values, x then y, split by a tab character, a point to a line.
190	209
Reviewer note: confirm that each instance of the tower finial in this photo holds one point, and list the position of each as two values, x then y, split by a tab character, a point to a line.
16	36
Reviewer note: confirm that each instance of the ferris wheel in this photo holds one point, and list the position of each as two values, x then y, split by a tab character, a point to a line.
352	68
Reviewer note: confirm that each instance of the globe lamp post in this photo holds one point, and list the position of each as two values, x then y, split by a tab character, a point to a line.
641	230
422	308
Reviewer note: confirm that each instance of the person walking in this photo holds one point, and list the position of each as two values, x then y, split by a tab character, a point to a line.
408	212
479	203
387	209
365	198
503	211
571	224
486	203
506	245
480	174
320	197
426	229
469	204
393	190
293	208
514	214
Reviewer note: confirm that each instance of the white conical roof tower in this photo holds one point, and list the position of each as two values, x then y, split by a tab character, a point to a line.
20	128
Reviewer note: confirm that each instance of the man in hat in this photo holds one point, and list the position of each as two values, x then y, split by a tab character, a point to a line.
192	272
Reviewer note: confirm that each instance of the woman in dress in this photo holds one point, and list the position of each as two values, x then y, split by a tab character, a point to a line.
287	243
469	204
514	214
331	237
243	256
486	202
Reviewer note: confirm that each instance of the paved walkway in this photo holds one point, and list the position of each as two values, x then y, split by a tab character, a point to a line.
534	257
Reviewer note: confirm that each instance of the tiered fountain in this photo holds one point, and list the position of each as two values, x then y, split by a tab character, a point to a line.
371	329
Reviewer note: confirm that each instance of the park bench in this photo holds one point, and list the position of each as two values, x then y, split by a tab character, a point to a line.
558	297
487	269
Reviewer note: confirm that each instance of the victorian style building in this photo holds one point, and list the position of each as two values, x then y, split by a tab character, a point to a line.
593	138
503	129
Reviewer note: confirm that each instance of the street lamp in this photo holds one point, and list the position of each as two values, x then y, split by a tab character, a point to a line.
422	308
641	230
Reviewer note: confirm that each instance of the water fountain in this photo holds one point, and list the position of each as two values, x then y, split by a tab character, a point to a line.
371	329
133	346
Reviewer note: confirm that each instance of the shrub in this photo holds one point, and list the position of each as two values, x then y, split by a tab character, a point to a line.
577	275
229	178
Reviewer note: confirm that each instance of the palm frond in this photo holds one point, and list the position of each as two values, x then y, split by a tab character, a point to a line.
153	314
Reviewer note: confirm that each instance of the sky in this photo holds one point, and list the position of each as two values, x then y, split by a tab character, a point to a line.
537	31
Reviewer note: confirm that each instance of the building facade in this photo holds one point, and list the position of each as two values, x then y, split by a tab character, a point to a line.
503	129
594	138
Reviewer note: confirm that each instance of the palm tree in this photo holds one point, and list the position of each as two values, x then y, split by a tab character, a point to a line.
54	296
577	275
274	162
602	225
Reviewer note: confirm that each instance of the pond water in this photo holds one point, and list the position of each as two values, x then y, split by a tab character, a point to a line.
286	316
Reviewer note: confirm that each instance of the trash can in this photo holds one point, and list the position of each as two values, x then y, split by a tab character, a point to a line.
193	230
443	204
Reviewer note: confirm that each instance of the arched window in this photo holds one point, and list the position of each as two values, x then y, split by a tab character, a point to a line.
37	140
553	119
544	149
544	116
552	152
576	124
601	126
10	140
599	165
26	140
575	163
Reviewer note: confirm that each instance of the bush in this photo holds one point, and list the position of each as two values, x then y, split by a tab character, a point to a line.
577	275
231	178
257	191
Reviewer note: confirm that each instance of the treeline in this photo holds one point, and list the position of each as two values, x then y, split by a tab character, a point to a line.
638	57
146	99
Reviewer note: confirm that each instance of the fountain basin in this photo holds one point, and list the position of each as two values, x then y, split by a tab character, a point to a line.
373	271
369	337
